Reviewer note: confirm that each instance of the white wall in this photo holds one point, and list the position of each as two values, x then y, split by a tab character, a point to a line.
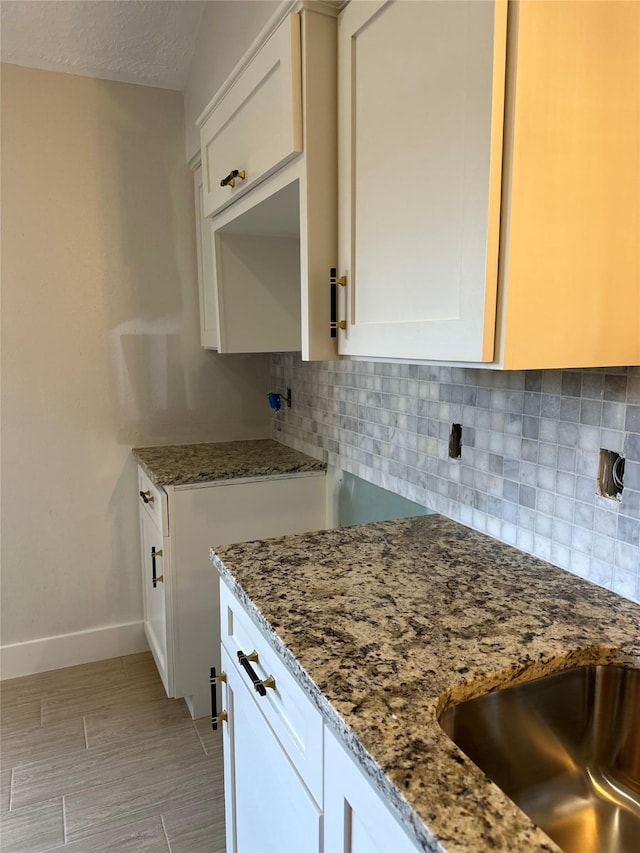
100	347
227	29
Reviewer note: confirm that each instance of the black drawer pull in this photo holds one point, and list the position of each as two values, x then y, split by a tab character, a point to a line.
215	716
147	497
334	323
259	685
230	180
155	579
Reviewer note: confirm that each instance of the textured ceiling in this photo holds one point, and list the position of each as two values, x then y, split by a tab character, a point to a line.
133	41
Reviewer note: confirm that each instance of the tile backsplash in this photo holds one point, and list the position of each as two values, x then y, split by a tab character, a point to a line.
530	449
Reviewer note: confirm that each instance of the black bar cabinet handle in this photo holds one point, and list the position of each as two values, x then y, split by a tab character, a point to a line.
214	700
334	301
215	716
334	281
255	678
154	578
230	180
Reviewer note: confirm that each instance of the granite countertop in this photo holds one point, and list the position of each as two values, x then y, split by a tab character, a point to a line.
183	464
386	624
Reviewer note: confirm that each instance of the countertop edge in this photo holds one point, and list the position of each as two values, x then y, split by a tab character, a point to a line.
204	463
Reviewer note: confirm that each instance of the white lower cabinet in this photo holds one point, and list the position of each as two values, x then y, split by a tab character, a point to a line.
268	808
356	819
290	787
178	527
154	547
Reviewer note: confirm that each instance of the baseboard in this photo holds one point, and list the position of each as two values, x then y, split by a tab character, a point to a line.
49	653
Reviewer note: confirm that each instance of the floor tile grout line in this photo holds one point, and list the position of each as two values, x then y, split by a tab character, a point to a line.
204	749
64	821
166	835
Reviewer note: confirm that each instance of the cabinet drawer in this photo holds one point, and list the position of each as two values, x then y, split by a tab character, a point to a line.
151	501
295	721
257	125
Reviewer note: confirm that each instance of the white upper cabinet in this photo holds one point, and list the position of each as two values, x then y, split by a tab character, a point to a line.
486	210
421	88
273	233
256	126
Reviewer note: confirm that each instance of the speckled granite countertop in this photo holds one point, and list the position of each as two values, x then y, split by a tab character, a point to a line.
182	464
386	624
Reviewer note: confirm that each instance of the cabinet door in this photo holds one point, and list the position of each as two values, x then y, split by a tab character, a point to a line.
155	611
420	115
572	213
267	807
356	820
206	281
256	126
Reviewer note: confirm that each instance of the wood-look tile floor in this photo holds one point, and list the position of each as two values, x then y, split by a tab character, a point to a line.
95	758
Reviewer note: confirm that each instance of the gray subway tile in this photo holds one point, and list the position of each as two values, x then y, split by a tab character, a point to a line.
511	469
583	515
549	430
585	489
632	447
632	419
566	459
510	491
612	440
533	380
568	434
604	547
589	438
613	415
615	388
532	404
530	427
570	409
626	556
560	554
565	484
550	406
527	496
593	385
562	532
601	572
544	525
546	479
571	383
547	455
587	464
582	539
590	412
629	530
496	463
552	381
633	390
630	502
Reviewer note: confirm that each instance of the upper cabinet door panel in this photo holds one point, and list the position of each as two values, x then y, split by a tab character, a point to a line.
257	125
572	212
420	101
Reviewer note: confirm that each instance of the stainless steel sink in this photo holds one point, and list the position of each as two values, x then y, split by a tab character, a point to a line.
566	749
